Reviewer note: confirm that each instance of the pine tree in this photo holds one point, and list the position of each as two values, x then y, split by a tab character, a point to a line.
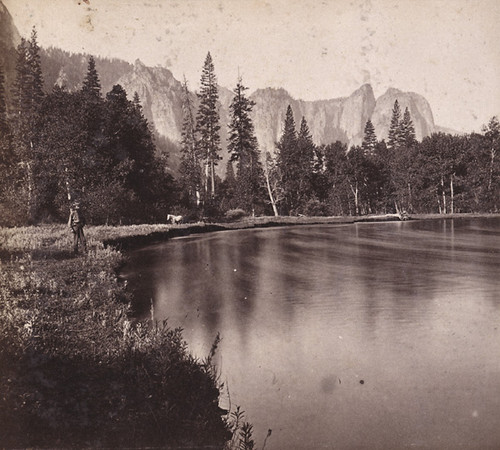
207	122
244	150
91	84
35	67
92	118
370	139
305	160
287	162
28	96
394	137
190	167
407	130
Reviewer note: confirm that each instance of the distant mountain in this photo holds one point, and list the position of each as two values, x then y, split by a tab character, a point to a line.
69	69
160	92
340	119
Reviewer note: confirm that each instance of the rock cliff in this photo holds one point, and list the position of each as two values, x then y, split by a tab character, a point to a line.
420	112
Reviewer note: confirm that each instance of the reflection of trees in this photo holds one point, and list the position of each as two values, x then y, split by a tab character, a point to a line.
382	272
394	272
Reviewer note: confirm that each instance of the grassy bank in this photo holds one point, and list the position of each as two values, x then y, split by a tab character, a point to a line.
74	372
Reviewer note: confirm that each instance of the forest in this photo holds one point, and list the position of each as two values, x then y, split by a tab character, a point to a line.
100	150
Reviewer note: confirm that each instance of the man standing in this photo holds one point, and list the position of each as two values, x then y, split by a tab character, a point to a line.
76	222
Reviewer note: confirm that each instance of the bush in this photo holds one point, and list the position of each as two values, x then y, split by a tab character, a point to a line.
315	208
235	214
75	372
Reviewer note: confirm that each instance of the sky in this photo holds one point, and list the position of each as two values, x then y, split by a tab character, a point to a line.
446	50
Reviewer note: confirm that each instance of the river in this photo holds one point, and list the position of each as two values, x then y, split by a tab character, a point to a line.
374	335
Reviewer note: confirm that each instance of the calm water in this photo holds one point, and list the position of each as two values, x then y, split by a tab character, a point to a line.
370	335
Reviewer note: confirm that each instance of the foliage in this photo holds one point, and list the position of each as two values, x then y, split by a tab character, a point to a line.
369	143
76	372
68	145
207	122
190	167
235	214
243	147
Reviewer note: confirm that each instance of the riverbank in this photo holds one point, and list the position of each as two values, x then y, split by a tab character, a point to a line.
74	372
128	237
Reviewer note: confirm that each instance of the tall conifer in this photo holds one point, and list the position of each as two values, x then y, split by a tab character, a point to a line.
287	161
190	167
370	139
244	149
394	137
407	130
207	122
91	84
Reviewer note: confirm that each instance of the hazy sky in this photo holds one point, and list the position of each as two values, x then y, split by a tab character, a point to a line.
446	50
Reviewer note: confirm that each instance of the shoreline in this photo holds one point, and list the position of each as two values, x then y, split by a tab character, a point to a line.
159	233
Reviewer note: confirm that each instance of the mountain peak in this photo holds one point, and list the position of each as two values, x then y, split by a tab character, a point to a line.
391	91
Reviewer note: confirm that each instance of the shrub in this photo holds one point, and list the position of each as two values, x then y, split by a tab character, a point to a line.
75	372
235	214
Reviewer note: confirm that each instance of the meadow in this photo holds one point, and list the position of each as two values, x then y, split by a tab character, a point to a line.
75	370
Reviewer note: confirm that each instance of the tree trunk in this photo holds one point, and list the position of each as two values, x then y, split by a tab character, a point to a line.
410	207
356	199
452	208
268	185
493	154
443	193
439	202
206	178
212	174
66	181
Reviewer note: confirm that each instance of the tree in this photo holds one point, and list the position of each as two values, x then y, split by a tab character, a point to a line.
35	67
243	149
337	186
272	179
8	164
190	167
407	130
91	85
492	134
356	173
370	139
130	152
394	137
28	96
306	152
287	163
207	122
59	152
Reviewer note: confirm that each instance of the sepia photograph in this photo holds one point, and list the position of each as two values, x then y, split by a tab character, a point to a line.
250	224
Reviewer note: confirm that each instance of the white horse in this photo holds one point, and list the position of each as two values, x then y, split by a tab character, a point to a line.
173	219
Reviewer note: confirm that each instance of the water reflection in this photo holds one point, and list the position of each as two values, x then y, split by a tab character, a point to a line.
306	314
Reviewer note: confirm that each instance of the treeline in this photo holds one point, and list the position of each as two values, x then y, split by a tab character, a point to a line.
80	145
100	150
442	174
